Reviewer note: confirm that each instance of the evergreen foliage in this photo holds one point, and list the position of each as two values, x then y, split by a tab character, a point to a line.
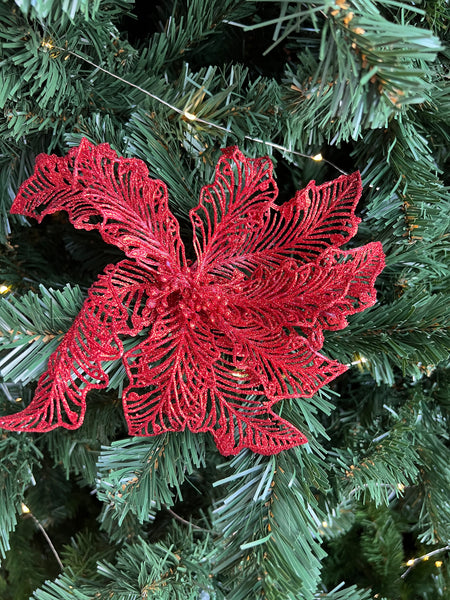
363	82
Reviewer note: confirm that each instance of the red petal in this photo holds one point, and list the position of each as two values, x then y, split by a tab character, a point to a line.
318	294
238	226
180	379
269	435
283	362
174	366
350	284
271	298
233	209
318	216
242	415
113	195
114	306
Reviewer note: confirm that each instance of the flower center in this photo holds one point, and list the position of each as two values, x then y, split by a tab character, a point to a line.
194	300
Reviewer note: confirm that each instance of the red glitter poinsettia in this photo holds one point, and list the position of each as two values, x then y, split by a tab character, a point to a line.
227	337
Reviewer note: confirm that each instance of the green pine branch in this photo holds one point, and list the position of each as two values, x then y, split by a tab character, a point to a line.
19	456
268	519
31	328
141	475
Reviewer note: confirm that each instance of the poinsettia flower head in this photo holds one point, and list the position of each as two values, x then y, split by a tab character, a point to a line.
226	337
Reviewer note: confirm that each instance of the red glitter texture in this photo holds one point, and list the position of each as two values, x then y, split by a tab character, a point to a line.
227	337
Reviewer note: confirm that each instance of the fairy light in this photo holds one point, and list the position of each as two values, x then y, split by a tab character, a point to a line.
4	289
189	116
412	562
186	114
47	44
361	361
25	509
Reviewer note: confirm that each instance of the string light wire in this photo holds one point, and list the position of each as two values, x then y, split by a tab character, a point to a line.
412	562
27	511
184	113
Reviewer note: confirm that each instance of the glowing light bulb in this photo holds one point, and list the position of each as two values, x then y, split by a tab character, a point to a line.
410	562
47	44
317	157
189	116
438	563
4	289
25	509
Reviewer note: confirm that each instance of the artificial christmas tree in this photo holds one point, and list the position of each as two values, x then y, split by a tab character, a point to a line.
325	89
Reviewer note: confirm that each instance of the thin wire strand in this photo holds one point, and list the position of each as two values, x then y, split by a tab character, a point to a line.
185	522
184	113
45	534
423	557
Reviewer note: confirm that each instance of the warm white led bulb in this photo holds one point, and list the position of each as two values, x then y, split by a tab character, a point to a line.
189	115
